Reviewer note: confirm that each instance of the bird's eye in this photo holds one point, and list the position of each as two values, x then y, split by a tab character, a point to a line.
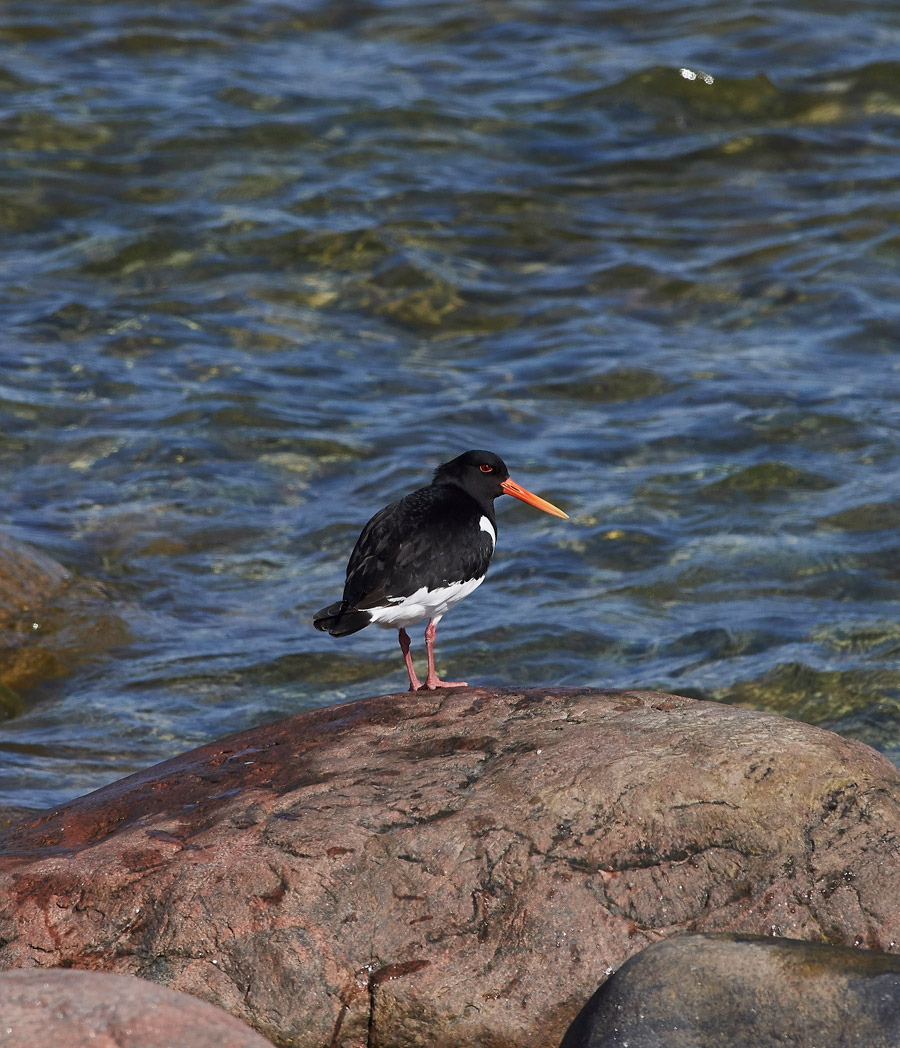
485	468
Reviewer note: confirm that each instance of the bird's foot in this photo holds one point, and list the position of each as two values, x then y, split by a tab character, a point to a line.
433	683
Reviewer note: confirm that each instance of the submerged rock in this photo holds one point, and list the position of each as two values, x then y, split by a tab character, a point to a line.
48	623
71	1009
459	867
705	991
29	581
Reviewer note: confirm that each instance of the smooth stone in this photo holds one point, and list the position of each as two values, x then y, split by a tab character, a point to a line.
705	991
66	1008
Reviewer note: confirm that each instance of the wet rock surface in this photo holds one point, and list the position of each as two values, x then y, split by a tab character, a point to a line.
456	868
64	1008
703	991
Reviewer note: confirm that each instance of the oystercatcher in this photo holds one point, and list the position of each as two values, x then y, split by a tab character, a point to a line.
421	555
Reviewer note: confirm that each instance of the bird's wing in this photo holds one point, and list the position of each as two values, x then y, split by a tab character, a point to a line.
372	565
399	550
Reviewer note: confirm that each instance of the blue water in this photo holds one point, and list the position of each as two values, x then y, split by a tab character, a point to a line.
265	265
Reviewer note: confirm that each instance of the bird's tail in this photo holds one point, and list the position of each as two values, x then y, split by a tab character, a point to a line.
340	620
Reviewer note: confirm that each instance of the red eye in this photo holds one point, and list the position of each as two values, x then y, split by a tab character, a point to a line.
485	468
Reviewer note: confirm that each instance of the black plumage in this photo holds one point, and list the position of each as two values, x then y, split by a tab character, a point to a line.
429	538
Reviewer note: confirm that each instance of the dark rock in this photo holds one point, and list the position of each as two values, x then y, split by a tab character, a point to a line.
456	868
705	991
65	1008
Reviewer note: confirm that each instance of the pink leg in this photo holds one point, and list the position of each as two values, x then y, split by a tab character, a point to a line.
432	681
414	682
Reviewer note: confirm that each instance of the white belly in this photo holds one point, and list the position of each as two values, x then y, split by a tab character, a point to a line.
423	604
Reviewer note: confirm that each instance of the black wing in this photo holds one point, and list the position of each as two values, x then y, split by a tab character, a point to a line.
430	538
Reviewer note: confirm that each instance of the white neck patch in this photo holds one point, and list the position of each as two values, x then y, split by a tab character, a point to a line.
487	526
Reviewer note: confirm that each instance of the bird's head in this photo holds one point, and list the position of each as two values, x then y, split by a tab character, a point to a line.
485	477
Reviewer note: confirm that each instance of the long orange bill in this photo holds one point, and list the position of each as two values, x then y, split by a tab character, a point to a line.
510	487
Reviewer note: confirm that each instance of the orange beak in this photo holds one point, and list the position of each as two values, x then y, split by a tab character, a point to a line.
510	487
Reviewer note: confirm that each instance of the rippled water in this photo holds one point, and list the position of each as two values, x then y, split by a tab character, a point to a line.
266	264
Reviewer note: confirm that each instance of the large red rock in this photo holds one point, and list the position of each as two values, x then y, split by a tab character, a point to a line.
64	1008
456	868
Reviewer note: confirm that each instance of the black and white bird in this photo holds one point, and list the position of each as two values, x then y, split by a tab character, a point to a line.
418	557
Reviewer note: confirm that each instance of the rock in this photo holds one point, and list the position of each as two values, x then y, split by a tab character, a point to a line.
28	579
703	991
49	624
10	814
73	1009
455	868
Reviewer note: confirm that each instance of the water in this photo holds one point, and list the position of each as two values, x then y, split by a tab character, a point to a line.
266	264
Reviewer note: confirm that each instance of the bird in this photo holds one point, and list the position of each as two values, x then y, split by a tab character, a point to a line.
420	556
